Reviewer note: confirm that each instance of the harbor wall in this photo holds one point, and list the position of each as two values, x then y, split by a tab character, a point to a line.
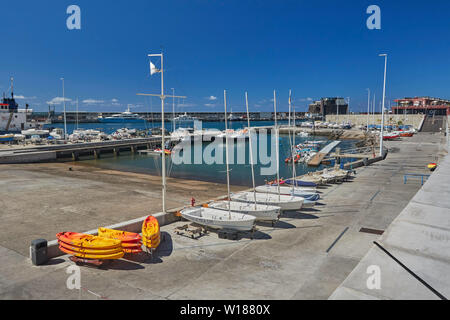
42	156
361	119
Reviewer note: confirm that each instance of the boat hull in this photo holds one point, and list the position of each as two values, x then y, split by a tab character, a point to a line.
308	194
261	213
286	203
120	120
301	183
219	219
6	138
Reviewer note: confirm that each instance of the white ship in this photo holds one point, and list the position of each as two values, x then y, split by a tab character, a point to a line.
13	119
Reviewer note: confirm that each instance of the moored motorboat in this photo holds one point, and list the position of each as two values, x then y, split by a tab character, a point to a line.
406	134
6	137
391	136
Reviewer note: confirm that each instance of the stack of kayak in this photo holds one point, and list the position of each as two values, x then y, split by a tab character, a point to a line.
110	243
131	242
89	246
151	235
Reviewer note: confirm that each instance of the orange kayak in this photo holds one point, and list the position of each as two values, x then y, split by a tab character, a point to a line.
152	243
151	232
131	242
150	226
123	236
89	251
137	250
88	241
117	255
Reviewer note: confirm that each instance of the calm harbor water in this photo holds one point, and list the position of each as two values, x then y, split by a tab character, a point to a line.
240	174
109	128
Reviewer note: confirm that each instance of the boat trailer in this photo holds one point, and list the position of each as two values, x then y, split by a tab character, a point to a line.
191	231
234	234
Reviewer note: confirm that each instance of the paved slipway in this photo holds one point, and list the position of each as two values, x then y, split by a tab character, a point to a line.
307	255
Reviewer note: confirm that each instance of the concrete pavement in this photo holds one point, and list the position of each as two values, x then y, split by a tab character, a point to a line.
420	239
307	255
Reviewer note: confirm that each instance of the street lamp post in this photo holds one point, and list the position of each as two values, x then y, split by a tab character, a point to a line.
382	108
368	109
348	110
162	97
64	103
173	109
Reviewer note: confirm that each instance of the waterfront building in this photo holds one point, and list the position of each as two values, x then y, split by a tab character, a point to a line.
423	105
327	106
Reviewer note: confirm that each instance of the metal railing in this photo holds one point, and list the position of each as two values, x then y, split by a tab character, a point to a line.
422	176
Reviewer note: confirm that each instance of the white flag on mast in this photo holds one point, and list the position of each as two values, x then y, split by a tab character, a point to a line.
153	69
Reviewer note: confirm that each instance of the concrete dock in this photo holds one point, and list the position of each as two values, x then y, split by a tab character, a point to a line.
317	159
414	257
72	151
306	255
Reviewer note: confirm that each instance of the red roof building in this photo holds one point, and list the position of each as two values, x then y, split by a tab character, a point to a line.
424	105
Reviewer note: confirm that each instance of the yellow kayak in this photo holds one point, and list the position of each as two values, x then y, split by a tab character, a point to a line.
88	241
89	251
151	232
123	236
92	256
154	243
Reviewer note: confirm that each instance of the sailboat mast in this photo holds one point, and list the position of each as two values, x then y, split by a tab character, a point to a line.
226	152
277	151
373	106
173	109
77	113
368	108
163	141
250	148
291	142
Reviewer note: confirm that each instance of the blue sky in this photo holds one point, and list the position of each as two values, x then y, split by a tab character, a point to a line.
316	48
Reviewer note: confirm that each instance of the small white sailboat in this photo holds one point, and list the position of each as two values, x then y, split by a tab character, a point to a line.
285	202
219	219
292	191
259	211
216	218
285	190
336	175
